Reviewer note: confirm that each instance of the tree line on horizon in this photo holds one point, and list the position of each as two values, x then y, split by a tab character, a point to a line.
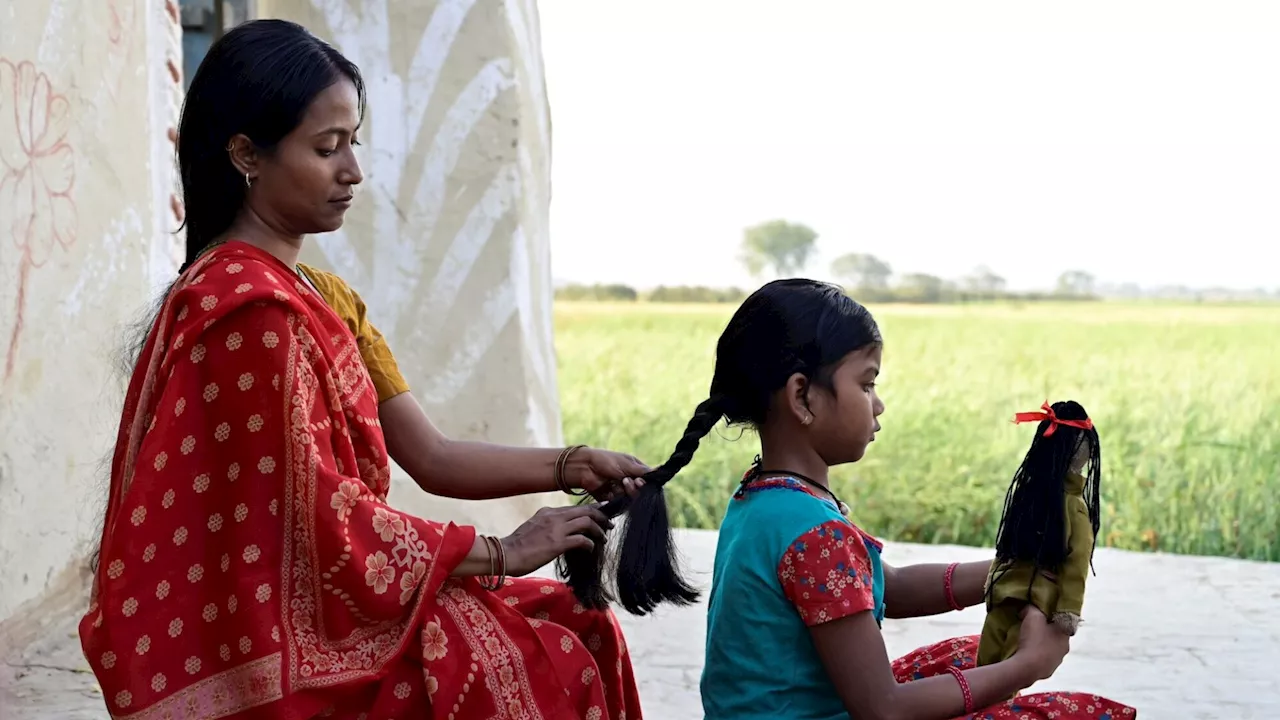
779	248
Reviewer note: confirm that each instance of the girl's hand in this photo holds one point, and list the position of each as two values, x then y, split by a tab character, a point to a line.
1041	645
604	474
550	533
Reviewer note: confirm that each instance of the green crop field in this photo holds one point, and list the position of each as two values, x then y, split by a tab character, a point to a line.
1186	398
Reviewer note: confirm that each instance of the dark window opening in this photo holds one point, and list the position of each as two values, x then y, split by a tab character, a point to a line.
203	22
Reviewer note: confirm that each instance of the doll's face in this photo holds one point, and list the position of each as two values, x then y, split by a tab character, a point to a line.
1084	449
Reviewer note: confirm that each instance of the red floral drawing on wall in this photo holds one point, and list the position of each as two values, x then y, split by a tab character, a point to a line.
116	30
121	27
37	174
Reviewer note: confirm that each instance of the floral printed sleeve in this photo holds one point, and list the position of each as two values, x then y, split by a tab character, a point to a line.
826	574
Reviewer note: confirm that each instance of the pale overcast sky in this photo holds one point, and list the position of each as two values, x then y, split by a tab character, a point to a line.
1136	139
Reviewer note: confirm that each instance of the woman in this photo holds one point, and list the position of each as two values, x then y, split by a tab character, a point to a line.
249	565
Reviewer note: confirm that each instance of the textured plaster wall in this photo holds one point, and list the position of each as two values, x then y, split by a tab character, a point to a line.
447	242
87	96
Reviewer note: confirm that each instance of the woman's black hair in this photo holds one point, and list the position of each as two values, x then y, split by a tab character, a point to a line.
257	80
786	327
1033	525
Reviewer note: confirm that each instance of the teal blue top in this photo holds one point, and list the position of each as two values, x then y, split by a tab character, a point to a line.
786	560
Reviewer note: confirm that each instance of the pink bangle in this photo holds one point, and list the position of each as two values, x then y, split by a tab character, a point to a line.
947	586
964	687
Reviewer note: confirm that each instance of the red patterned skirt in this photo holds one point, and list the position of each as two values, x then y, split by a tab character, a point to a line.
962	652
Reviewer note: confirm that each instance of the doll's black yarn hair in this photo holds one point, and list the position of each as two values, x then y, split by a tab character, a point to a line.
786	327
1033	524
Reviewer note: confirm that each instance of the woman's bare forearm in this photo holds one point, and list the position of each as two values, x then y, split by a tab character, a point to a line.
479	471
458	469
479	561
920	590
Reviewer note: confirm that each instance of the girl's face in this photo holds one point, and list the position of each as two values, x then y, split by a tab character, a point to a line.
845	421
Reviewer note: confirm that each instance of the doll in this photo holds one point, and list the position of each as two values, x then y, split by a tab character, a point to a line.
1044	546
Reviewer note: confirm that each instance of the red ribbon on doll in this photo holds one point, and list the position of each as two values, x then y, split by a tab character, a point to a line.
1046	413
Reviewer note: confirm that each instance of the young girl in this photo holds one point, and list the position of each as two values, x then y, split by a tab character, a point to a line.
799	591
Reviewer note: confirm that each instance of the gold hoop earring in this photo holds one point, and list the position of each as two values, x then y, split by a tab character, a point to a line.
248	181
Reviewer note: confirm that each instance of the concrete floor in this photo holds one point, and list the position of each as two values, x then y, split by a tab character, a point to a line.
1176	637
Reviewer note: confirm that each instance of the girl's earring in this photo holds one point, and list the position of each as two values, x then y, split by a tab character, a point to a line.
807	419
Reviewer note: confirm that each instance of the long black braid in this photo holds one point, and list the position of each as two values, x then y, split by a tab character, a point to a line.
1033	523
647	568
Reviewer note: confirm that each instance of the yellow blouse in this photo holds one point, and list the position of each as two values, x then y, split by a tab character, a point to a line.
373	346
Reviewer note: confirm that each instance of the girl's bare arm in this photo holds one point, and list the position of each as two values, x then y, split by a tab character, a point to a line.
919	590
853	652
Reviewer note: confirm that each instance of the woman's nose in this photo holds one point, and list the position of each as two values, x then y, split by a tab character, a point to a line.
351	174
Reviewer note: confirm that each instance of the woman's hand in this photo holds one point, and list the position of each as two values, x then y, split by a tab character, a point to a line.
550	533
604	474
1040	645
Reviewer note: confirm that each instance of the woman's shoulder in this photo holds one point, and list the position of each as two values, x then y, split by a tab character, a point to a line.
340	296
324	280
227	280
332	287
240	270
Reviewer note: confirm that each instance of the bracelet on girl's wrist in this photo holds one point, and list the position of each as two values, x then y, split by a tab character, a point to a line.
964	687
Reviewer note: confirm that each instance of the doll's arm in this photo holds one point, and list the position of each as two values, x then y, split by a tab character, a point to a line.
1075	571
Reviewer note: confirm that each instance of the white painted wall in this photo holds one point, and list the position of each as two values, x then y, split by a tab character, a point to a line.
86	233
447	242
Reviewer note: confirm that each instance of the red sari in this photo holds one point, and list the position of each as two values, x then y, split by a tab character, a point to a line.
251	568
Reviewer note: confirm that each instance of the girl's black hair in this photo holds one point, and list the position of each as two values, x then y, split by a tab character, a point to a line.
786	327
1033	525
257	80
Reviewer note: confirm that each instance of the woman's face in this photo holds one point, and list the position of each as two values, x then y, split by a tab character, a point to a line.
306	184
